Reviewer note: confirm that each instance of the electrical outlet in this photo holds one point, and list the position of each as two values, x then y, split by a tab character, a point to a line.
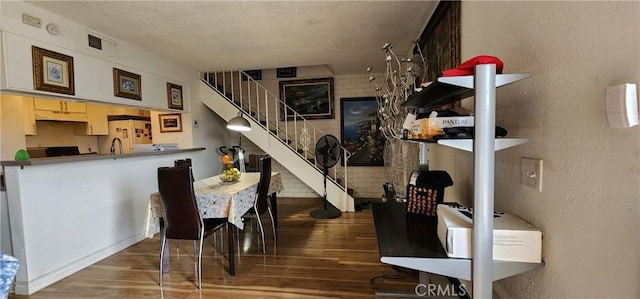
531	172
31	20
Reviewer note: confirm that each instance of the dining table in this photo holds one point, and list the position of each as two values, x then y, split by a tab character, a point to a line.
218	199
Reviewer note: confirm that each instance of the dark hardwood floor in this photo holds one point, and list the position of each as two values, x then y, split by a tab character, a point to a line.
335	258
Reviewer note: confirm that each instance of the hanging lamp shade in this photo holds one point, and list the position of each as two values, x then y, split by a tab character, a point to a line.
238	123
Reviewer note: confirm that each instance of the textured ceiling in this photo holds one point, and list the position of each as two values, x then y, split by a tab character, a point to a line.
209	35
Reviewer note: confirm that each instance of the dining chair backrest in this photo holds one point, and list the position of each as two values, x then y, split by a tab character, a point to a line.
182	162
263	186
182	218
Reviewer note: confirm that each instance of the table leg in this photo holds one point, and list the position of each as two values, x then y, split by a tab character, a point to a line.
232	248
274	209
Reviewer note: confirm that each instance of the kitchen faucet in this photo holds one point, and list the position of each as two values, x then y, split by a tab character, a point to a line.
113	145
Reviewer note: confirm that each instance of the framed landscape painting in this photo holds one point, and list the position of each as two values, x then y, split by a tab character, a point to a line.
310	99
360	131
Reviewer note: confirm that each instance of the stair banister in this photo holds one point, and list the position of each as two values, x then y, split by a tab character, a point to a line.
237	99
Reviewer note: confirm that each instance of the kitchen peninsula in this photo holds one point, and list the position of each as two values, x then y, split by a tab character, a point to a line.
70	212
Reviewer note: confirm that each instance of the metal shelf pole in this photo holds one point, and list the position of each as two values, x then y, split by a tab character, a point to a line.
484	163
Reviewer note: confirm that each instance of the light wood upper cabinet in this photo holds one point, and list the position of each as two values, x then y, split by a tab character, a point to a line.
97	123
29	116
59	106
59	110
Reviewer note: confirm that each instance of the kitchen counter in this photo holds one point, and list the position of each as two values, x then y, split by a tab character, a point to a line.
78	158
69	212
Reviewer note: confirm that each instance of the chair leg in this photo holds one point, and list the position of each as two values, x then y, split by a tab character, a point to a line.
264	245
273	225
195	262
199	268
163	243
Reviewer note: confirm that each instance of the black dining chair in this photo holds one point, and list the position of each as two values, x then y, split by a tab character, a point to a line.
182	162
254	162
182	219
261	203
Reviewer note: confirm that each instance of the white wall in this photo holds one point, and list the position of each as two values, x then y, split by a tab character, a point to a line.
93	70
589	207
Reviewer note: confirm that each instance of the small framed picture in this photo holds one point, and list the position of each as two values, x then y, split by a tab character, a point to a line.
170	122
286	72
254	74
174	96
127	85
52	71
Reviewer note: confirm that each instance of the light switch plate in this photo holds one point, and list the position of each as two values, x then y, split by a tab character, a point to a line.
531	172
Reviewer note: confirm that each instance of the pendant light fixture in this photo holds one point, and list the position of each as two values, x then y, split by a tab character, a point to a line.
238	123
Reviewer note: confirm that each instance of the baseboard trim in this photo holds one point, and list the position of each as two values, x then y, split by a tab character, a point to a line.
36	284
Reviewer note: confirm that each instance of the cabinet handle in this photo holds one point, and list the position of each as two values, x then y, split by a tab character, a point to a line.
34	128
91	129
61	107
65	106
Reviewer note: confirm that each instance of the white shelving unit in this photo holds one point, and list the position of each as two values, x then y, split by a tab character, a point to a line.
482	270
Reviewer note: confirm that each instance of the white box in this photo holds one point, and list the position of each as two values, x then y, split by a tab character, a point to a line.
513	238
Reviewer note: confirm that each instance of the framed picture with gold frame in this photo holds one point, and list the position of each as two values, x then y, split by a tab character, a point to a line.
170	122
174	96
52	71
127	85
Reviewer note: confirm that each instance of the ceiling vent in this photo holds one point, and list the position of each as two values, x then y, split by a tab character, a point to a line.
99	44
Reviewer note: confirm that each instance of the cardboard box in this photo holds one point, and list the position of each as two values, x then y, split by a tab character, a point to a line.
513	238
427	128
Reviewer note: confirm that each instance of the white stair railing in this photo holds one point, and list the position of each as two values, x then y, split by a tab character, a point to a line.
275	117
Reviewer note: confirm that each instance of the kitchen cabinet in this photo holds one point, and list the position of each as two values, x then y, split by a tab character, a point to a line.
60	106
97	123
59	110
29	116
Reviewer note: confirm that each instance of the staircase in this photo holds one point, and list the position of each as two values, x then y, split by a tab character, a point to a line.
278	130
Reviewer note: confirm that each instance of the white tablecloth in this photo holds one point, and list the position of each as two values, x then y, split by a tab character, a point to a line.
217	199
